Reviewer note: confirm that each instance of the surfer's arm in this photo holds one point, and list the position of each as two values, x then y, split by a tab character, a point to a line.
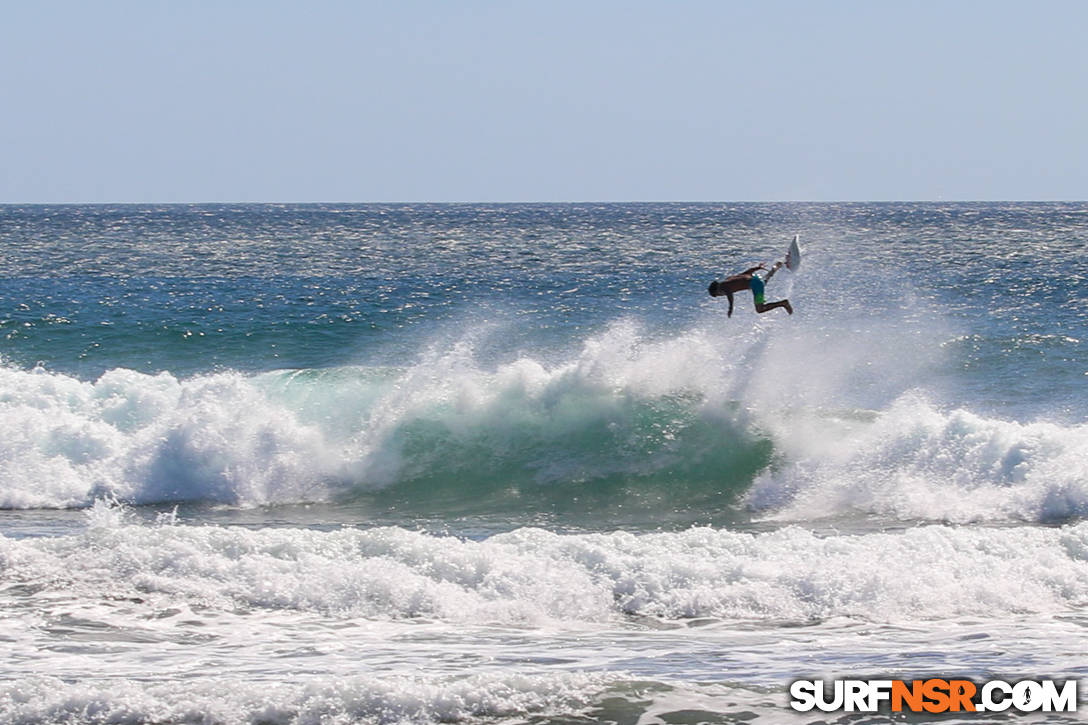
774	269
753	270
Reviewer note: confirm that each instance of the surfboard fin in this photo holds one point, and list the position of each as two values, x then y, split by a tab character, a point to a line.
793	254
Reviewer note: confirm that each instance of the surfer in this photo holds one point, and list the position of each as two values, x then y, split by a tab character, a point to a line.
748	279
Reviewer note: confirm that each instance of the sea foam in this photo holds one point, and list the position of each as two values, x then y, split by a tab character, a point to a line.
148	438
534	577
915	460
319	701
703	417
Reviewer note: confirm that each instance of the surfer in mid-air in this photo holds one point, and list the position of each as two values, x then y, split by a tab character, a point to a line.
748	279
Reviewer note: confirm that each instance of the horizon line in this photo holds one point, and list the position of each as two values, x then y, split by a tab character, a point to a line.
546	202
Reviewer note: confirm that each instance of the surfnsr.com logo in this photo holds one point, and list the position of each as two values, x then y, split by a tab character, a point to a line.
933	696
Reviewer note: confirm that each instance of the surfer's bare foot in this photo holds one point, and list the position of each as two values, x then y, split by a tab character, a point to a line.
788	306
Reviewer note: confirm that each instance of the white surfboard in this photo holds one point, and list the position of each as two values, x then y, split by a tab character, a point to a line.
793	255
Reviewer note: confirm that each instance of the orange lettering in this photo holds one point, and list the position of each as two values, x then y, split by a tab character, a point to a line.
936	691
911	695
960	694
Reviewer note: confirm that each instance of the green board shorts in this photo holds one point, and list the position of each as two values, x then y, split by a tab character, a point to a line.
756	285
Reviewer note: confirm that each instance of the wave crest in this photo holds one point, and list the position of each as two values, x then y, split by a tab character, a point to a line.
692	423
533	577
916	461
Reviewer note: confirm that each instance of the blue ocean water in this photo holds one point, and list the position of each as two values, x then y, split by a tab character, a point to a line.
510	462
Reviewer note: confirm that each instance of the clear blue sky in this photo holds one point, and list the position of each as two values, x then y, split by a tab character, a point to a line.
404	100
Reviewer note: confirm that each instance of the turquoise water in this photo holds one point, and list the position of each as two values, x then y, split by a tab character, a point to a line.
353	463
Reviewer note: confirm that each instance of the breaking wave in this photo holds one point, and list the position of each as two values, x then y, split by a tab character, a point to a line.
533	577
689	422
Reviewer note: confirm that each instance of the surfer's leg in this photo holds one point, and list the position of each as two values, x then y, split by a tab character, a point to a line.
761	307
